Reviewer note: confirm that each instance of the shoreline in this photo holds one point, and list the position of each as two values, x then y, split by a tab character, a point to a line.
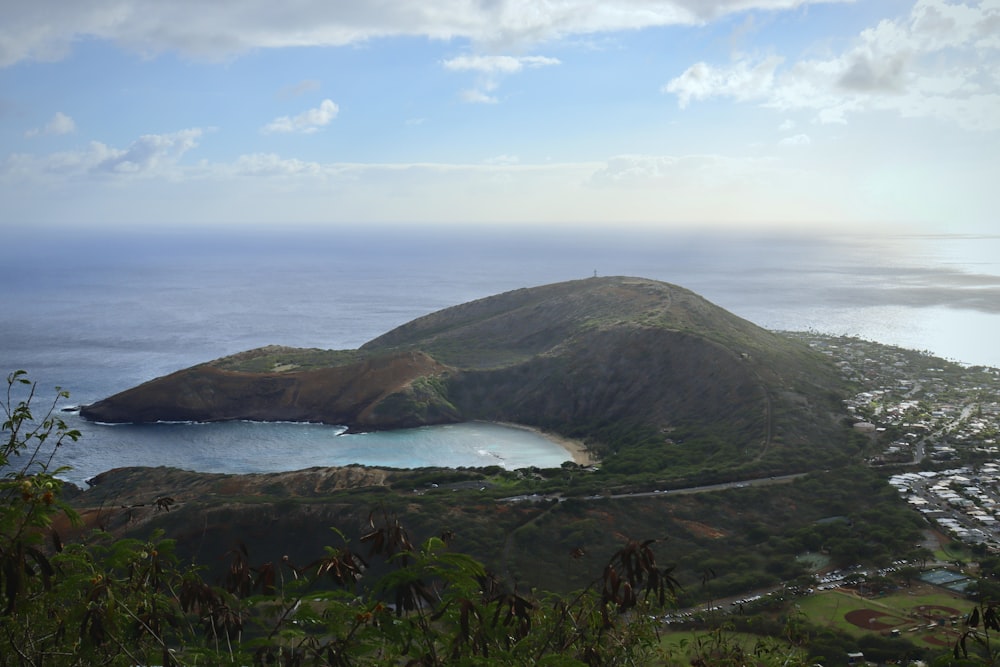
576	449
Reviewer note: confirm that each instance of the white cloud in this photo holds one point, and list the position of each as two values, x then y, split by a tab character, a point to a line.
490	68
269	164
60	124
673	172
475	96
268	188
796	140
150	154
868	74
497	64
306	122
936	62
743	81
222	28
502	160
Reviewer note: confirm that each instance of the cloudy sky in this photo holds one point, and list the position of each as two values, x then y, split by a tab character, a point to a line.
620	112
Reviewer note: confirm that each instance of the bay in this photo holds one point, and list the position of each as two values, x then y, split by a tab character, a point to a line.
257	447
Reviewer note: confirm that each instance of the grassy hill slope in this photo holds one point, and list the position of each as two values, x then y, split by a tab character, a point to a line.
643	370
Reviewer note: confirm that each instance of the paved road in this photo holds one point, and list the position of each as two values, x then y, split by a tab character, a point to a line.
760	481
708	488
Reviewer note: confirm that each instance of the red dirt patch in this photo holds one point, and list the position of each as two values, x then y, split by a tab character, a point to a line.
869	619
701	529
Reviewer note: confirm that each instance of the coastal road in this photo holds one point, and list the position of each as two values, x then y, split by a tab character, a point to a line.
707	488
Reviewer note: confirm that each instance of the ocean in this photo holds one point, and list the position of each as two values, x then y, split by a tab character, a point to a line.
96	313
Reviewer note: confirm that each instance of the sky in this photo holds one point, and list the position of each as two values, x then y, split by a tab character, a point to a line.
800	114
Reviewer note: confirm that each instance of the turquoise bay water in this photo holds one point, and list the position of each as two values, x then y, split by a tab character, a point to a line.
250	447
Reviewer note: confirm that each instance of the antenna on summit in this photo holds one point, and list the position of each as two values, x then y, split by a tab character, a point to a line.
595	273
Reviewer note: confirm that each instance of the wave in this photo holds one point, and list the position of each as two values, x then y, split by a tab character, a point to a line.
487	453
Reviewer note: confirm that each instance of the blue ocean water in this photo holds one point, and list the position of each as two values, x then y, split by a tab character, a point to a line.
97	313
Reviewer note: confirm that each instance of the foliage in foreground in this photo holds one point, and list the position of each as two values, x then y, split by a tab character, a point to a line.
109	601
112	601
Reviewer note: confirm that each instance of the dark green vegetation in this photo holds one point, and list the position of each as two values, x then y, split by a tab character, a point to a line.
126	601
747	538
375	593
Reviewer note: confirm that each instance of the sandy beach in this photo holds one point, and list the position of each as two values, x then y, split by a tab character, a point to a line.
577	450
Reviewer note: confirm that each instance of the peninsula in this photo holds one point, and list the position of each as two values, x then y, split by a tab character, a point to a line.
621	363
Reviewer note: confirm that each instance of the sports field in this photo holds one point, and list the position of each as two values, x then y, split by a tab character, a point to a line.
923	614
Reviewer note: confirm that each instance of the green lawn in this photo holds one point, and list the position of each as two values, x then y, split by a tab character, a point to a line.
915	614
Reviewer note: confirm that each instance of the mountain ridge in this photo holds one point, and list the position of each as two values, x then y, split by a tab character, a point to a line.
619	362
